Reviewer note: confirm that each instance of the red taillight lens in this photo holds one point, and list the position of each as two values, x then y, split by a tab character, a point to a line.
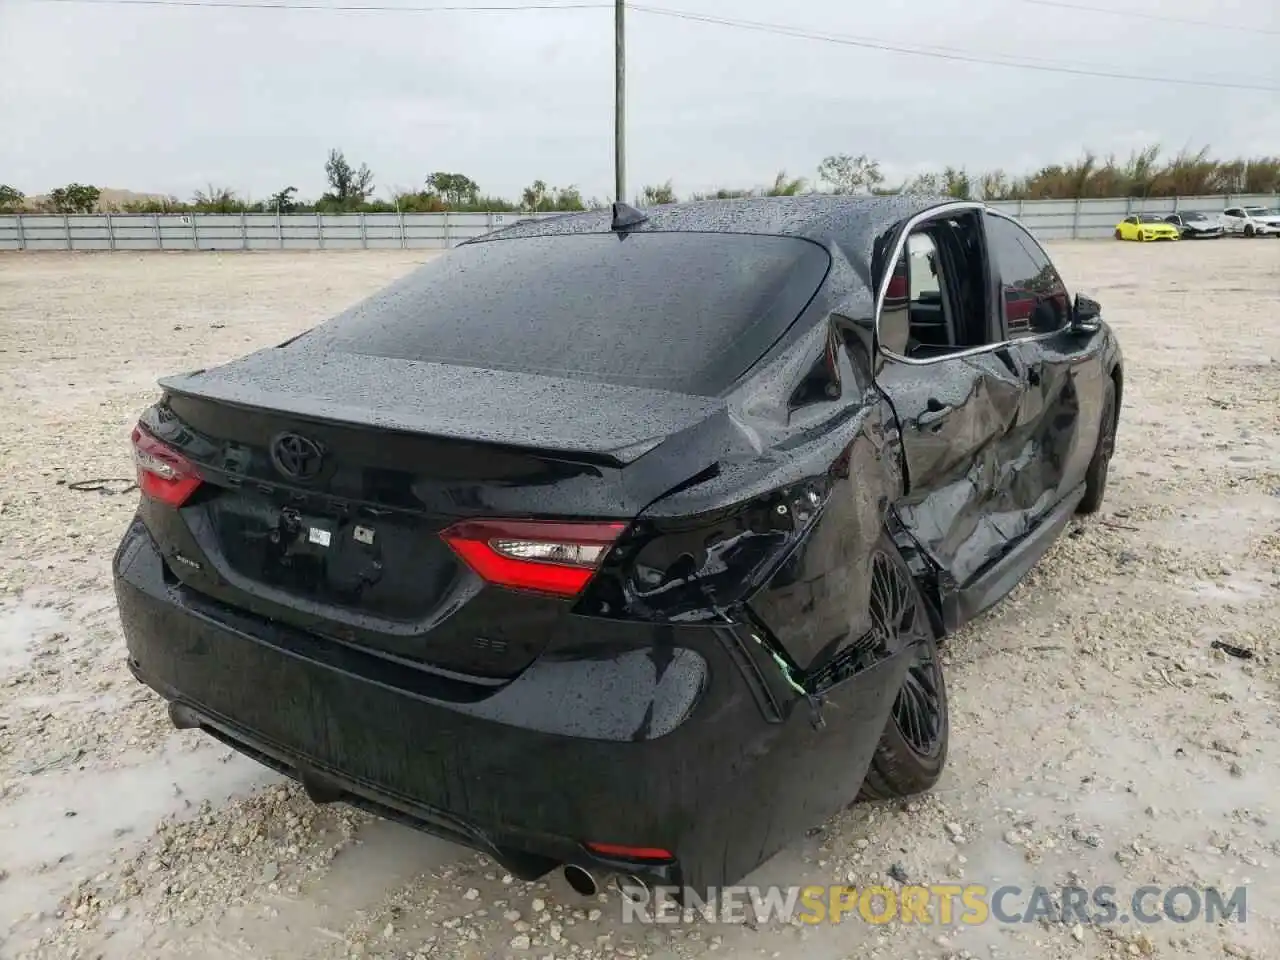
539	555
163	473
622	852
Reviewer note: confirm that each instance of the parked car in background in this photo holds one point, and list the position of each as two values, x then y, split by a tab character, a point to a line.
1252	221
1197	226
623	541
1146	226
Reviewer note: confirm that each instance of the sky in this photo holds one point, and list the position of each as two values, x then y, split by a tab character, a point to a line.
165	99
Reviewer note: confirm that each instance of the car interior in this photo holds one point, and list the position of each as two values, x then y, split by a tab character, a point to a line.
936	302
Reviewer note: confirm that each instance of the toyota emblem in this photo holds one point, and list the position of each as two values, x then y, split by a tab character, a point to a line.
296	457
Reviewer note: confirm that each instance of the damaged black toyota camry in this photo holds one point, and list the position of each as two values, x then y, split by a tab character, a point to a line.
622	542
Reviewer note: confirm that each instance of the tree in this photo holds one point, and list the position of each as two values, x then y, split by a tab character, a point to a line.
534	196
285	201
1141	170
956	183
539	198
455	189
927	184
785	187
348	187
11	198
849	174
995	185
567	198
217	200
656	196
73	198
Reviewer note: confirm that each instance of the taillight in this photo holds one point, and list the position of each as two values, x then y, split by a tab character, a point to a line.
539	555
623	852
163	473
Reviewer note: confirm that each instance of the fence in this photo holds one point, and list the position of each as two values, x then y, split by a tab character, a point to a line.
1096	219
247	231
1049	219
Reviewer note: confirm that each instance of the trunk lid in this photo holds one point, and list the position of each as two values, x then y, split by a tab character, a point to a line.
606	422
339	533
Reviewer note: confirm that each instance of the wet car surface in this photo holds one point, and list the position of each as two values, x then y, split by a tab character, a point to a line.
677	512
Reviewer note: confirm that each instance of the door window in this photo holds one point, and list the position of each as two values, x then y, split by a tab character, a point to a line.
935	302
1034	296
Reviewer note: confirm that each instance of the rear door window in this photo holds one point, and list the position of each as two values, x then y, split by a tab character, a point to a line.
686	312
1035	298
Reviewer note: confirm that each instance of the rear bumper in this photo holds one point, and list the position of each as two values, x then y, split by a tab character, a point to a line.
724	768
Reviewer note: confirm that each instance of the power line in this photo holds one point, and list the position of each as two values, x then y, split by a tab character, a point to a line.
1159	17
920	49
936	52
870	43
339	7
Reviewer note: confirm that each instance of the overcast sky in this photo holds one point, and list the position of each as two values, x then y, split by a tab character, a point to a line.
164	99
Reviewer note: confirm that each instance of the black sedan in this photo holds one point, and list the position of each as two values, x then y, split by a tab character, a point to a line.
1197	226
622	541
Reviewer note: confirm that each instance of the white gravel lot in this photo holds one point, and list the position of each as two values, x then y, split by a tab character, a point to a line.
1097	737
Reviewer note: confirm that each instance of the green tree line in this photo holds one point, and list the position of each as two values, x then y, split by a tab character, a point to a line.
351	188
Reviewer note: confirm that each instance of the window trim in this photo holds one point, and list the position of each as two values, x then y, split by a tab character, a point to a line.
933	213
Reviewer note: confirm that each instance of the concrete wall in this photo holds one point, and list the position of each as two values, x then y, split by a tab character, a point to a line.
1048	219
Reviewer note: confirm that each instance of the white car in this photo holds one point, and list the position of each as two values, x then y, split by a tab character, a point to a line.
1252	221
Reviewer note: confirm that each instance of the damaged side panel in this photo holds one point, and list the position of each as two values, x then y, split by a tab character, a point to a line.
818	601
791	557
1064	401
957	419
699	553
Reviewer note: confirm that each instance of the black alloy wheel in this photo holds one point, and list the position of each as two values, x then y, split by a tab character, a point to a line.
912	750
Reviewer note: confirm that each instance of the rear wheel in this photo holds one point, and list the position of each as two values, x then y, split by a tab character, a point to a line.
913	747
1119	235
1095	478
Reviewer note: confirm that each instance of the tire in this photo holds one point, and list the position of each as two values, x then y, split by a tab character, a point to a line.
1249	231
1119	236
1095	478
912	751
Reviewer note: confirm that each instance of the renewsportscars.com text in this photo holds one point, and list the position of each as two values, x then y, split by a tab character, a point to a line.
968	904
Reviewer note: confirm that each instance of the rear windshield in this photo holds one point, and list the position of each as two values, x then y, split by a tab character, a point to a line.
688	312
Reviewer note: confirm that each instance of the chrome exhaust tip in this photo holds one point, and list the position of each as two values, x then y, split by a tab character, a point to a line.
631	888
581	880
183	717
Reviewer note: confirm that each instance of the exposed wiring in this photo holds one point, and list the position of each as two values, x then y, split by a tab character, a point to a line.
107	486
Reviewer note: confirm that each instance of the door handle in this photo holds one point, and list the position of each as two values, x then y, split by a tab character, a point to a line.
935	415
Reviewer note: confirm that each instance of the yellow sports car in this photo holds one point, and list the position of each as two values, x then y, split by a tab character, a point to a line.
1146	226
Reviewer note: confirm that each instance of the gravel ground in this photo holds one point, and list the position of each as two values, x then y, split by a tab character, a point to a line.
1097	736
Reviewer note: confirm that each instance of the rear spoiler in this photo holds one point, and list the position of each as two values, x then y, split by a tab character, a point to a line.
558	416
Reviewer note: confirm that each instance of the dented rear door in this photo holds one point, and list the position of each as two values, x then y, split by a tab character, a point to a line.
957	417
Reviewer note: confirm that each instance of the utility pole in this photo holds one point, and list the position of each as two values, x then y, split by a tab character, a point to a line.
619	102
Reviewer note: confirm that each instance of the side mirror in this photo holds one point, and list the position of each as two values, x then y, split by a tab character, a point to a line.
1086	315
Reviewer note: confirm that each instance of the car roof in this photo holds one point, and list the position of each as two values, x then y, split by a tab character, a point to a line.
851	224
